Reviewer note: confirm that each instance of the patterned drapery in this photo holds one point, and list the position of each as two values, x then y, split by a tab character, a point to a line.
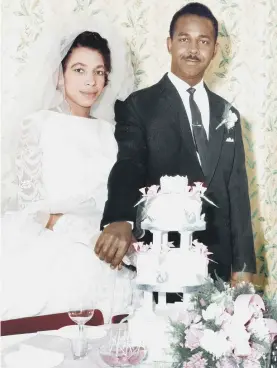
244	72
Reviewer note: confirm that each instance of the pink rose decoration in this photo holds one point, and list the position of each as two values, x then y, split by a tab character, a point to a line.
141	247
153	190
193	336
196	361
226	363
202	302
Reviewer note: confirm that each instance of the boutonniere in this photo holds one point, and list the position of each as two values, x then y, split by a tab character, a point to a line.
229	118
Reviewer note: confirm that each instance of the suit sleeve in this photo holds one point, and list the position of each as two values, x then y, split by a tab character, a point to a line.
241	227
128	174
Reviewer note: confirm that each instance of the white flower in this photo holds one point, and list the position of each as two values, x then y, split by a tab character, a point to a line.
229	120
258	328
213	312
215	343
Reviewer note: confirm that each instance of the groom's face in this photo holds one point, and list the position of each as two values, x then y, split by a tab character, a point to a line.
192	47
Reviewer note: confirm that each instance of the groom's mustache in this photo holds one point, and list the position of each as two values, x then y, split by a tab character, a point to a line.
191	58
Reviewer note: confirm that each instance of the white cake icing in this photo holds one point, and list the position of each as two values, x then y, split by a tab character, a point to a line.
174	206
171	271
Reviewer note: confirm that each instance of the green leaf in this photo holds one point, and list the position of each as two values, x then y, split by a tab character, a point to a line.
222	63
19	14
252	195
260	251
220	75
139	72
254	214
247	125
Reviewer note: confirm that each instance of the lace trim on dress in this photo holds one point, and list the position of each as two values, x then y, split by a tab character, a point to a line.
29	164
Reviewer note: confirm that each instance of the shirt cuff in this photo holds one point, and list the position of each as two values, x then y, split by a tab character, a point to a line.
130	222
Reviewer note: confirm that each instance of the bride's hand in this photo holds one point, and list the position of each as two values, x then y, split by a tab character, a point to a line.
114	242
53	220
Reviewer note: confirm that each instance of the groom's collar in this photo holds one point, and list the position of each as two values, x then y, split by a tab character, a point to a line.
181	85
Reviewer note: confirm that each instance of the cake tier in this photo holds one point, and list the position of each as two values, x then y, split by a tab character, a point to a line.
171	271
165	227
174	212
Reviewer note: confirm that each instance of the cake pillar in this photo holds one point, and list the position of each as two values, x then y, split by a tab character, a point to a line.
161	300
186	240
147	303
157	240
164	239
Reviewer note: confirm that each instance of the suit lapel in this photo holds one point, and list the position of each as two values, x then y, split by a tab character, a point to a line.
217	107
174	111
177	112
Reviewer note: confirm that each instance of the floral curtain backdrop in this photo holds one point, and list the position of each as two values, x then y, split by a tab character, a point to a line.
244	72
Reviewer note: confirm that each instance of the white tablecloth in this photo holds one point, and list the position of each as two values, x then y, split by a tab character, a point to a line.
62	345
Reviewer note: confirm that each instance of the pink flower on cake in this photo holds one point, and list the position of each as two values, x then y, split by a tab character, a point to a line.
147	193
201	249
150	191
196	361
141	247
199	187
153	190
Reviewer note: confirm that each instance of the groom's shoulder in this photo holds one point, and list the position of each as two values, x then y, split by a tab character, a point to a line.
222	101
147	94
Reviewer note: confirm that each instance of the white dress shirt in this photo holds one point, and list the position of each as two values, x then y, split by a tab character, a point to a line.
200	97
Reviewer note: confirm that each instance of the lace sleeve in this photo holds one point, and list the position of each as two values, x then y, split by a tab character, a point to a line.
29	163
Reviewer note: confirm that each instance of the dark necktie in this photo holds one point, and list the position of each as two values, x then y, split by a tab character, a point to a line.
198	130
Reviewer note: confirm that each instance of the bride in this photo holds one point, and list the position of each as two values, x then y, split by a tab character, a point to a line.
65	153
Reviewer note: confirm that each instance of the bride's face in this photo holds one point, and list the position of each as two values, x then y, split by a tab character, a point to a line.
84	77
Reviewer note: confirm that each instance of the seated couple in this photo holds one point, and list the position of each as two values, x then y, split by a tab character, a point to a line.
66	157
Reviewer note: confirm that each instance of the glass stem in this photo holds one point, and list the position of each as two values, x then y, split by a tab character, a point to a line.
81	330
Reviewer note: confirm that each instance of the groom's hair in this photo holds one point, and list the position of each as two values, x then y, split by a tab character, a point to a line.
93	41
194	9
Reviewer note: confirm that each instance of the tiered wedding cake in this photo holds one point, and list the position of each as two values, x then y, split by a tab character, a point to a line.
172	206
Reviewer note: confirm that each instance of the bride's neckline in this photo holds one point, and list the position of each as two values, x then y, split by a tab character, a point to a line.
60	110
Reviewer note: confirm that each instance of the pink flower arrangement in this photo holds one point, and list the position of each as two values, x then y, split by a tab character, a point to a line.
196	361
225	329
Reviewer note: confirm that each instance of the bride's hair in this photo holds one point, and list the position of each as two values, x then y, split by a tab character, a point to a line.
93	41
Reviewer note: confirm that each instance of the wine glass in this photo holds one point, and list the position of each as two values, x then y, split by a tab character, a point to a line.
81	316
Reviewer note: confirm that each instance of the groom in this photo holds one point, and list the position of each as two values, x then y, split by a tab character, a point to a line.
179	127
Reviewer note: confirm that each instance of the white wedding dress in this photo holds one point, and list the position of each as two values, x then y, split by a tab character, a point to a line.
63	167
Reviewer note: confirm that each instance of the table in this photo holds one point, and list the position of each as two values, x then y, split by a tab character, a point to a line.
59	344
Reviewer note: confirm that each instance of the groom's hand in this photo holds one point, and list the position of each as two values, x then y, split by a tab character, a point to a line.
238	277
113	243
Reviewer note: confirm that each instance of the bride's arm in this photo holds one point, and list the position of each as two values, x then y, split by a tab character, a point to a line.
53	220
29	169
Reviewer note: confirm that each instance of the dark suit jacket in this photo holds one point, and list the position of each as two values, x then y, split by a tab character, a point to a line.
155	139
